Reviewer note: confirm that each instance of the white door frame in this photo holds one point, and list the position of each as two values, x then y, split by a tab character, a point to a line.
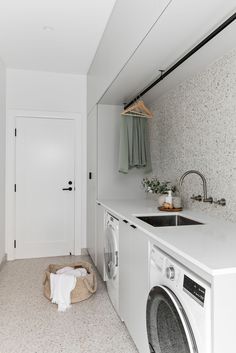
11	174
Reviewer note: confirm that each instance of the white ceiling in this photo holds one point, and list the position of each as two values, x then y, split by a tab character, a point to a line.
67	46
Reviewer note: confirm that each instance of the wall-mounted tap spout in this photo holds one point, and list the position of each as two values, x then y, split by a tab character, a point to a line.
204	184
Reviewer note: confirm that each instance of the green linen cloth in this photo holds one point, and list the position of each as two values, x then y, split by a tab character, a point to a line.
134	144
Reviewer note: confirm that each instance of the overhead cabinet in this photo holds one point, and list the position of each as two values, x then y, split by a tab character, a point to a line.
124	32
182	26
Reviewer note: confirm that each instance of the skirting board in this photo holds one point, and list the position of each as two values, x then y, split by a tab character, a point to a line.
4	260
84	251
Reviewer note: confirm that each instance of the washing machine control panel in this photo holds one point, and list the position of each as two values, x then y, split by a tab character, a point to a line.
194	289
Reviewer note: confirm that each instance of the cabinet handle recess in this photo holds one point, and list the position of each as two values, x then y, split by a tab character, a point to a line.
124	220
133	226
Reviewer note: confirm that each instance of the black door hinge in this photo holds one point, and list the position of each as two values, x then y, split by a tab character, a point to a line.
15	131
14	244
15	187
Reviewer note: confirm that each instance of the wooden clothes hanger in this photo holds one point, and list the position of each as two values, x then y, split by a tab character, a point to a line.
138	109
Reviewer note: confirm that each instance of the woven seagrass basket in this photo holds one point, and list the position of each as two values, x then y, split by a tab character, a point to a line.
85	286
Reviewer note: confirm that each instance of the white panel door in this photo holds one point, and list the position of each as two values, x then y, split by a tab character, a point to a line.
44	167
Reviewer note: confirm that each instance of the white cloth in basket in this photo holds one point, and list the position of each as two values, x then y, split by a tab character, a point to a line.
61	287
77	272
62	283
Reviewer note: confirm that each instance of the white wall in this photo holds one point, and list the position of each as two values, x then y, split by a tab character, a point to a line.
35	90
111	183
2	157
44	92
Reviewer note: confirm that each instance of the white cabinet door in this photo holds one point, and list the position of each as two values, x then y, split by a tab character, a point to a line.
100	230
91	182
125	294
134	283
139	291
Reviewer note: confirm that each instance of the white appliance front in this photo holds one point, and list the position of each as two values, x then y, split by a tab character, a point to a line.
45	174
111	259
178	308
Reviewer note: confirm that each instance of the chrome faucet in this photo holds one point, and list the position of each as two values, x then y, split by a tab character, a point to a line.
204	184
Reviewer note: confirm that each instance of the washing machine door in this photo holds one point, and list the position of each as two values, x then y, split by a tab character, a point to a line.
168	327
111	252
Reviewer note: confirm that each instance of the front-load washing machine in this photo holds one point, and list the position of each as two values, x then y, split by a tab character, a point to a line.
178	312
111	259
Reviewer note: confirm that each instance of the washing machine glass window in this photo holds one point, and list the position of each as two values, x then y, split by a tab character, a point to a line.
168	327
111	252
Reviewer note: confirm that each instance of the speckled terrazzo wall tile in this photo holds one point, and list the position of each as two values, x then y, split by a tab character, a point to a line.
195	128
155	143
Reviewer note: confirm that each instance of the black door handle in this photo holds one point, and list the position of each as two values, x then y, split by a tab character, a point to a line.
133	226
68	189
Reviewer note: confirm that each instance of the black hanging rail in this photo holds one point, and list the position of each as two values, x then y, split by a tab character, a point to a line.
184	58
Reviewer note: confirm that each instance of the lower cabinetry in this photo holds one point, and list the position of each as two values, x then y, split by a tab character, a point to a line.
133	271
133	275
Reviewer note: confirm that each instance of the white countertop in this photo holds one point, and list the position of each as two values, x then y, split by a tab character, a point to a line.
209	249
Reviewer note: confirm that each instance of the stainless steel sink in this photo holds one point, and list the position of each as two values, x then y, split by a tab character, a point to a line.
168	221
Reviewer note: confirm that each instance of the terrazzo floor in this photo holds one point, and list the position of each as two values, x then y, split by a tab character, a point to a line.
29	323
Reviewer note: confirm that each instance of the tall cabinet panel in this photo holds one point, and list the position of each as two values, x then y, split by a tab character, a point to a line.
91	182
100	238
133	272
103	178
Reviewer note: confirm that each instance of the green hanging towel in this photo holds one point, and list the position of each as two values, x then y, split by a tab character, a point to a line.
134	144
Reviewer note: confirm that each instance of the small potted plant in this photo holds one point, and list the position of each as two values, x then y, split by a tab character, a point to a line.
155	186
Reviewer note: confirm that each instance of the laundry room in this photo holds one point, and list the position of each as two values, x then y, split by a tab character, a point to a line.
118	176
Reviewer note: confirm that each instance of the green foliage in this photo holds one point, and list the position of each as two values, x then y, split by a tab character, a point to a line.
156	186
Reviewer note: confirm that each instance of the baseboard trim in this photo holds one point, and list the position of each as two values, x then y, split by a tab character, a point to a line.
3	262
84	251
